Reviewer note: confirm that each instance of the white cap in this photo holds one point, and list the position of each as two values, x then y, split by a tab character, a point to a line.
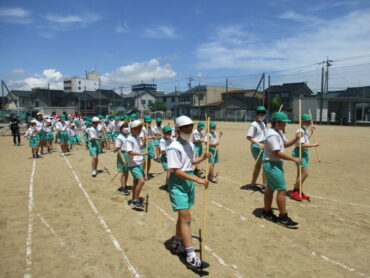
39	113
95	119
73	124
182	121
48	121
33	121
136	123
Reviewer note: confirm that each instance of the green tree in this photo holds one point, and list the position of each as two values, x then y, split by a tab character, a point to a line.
157	106
276	102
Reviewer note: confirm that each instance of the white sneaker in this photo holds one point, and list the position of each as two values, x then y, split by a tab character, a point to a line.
93	173
62	154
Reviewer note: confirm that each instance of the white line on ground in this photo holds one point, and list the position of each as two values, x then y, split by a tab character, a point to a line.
30	225
46	224
218	258
346	267
115	242
243	218
314	196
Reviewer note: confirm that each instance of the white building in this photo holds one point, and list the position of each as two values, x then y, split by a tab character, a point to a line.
78	84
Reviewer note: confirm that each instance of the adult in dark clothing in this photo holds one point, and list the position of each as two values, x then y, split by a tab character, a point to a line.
15	129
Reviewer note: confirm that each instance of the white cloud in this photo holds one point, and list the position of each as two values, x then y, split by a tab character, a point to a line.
69	19
15	15
122	28
57	23
292	15
136	72
334	4
17	72
48	76
160	32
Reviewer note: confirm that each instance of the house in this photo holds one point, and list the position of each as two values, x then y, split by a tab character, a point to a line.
171	100
204	95
285	94
19	100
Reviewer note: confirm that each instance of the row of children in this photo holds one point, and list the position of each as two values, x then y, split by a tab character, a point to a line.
267	147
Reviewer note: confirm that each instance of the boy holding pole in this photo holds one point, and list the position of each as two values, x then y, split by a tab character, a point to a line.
120	148
181	158
273	169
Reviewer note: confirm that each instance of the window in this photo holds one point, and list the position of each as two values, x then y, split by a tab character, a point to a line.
79	88
79	82
150	102
143	101
37	103
200	97
284	95
173	99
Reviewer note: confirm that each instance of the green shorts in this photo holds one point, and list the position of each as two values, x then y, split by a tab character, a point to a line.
212	151
109	136
63	136
182	192
72	140
305	156
86	137
274	173
151	150
255	149
34	141
114	135
94	147
49	136
137	171
42	135
78	139
122	168
156	142
198	149
164	161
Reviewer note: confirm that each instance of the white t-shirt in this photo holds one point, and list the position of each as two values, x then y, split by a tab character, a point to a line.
71	132
61	126
93	133
197	135
133	143
157	130
30	132
305	139
180	155
257	130
143	132
213	137
275	141
164	143
48	127
39	125
120	142
174	133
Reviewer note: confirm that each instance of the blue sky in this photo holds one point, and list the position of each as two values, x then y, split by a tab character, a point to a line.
168	41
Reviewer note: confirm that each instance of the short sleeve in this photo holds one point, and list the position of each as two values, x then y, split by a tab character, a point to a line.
118	143
251	131
174	158
273	141
162	145
129	146
196	136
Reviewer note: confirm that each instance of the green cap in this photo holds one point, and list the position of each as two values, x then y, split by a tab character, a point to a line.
147	118
116	118
260	109
62	117
77	123
306	117
106	121
166	128
201	125
212	124
158	120
88	123
100	116
125	118
174	119
280	117
133	117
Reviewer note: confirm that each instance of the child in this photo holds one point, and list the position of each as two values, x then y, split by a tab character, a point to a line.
85	128
134	144
72	136
31	134
198	139
273	169
94	145
79	130
181	157
147	132
49	137
62	134
214	141
157	130
120	144
40	132
306	122
256	135
163	145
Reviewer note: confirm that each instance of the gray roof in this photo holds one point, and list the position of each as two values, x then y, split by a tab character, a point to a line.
19	93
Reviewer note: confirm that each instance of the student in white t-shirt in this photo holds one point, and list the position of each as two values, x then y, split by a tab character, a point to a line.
305	144
181	187
198	140
256	135
94	144
135	158
120	148
163	145
157	130
273	169
214	142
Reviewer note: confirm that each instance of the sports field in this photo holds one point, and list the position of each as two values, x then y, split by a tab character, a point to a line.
58	221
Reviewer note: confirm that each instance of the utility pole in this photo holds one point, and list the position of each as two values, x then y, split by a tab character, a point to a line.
263	88
85	100
99	98
190	80
227	85
322	93
268	93
49	94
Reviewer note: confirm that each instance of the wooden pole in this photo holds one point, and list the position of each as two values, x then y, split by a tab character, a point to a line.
300	148
205	191
314	137
146	149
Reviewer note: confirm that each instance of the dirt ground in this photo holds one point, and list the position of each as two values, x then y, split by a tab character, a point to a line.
80	226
